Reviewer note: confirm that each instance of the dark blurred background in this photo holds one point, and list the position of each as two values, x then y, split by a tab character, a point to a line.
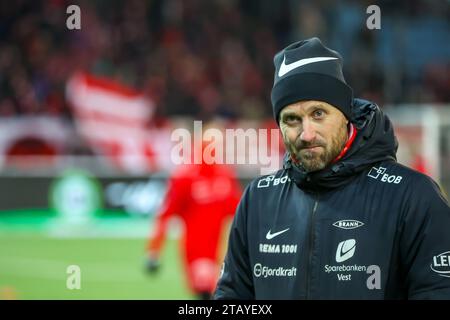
215	57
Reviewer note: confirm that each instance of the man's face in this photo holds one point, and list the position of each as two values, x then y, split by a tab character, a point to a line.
314	132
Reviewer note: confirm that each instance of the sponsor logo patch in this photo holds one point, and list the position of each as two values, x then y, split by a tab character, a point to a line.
441	264
348	224
272	181
345	250
379	174
344	272
270	235
277	248
263	271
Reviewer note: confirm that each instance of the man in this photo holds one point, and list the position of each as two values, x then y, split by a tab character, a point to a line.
342	219
204	196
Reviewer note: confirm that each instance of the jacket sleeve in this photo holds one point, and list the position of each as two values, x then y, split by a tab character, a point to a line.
236	281
425	243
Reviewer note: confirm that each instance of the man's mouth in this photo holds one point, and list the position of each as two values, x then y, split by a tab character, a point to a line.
311	148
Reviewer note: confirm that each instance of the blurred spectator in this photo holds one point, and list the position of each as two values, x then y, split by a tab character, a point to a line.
198	58
203	196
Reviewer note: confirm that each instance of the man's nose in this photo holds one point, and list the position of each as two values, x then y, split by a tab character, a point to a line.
308	132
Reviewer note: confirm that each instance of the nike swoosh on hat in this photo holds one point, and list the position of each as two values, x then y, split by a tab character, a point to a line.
285	68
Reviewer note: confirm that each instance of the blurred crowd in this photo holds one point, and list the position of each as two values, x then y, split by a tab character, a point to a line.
199	58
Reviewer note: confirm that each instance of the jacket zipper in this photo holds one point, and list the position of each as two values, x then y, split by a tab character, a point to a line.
310	250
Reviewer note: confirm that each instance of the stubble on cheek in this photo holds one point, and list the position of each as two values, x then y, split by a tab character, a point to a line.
316	160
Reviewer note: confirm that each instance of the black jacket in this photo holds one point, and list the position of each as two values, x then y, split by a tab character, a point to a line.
363	228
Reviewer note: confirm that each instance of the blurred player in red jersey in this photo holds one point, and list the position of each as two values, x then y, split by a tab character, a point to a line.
205	197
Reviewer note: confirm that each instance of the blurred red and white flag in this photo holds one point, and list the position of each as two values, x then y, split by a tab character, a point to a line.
113	119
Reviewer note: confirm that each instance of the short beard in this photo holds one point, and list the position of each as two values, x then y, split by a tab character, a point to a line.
310	162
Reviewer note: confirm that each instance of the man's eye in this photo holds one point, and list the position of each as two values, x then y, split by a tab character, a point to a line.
291	119
318	113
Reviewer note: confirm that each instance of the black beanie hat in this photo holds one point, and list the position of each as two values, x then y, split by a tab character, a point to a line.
307	70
